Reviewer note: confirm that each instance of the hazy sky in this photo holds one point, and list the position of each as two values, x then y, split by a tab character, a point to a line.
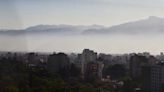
15	14
24	13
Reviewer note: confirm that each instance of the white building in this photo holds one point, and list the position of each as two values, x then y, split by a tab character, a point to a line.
86	57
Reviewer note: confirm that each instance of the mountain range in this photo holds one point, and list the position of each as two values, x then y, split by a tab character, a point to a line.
145	26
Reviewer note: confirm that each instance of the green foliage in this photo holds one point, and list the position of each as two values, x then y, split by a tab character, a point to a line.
11	89
16	76
116	71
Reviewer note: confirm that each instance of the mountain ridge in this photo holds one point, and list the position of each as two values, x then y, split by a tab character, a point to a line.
152	24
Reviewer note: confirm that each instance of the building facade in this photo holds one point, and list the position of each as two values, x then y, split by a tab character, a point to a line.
153	78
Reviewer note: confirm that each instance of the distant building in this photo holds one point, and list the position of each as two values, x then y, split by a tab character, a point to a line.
136	63
78	61
58	63
93	70
90	66
160	57
87	56
153	78
105	58
100	69
109	59
36	59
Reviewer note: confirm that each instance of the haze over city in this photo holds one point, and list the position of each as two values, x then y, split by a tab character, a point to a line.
81	46
109	26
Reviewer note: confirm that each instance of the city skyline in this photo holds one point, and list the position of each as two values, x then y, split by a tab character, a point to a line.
81	46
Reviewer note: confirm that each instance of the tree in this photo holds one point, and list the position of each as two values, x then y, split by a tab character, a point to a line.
115	71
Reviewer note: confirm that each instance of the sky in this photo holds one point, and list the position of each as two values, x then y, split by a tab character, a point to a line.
20	14
17	14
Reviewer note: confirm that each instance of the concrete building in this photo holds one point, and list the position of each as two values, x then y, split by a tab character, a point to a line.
90	66
86	57
93	70
153	78
58	63
136	63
